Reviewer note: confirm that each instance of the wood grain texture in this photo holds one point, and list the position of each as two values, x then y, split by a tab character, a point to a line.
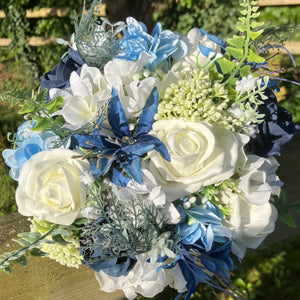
44	279
54	12
278	2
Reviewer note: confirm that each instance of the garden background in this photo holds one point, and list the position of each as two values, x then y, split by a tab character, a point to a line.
271	272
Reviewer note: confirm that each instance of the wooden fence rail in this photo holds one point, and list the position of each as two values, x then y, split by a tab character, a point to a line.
278	2
293	47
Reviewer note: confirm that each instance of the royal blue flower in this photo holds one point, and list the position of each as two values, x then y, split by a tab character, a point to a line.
123	150
161	45
59	76
204	247
276	130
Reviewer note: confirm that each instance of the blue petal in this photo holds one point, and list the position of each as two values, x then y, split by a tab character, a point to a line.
119	179
157	29
214	39
138	149
116	116
133	169
204	50
203	215
208	238
90	142
145	121
159	146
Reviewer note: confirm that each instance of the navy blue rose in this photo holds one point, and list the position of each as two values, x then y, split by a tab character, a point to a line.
59	76
276	130
98	259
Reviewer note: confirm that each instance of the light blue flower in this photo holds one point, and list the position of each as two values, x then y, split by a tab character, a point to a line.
28	143
161	45
204	247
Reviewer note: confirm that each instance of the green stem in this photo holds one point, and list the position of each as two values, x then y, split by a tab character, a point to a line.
26	248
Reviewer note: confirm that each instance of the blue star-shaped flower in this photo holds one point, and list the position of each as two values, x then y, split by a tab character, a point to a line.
123	149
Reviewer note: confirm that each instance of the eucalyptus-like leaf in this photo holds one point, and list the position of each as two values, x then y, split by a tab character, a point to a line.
60	240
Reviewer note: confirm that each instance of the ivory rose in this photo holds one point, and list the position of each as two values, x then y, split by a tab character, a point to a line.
201	155
50	186
258	180
250	224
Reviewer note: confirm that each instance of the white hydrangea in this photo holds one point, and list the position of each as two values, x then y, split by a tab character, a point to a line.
88	92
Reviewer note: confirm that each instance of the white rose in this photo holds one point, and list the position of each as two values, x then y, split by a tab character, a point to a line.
258	180
50	186
249	224
201	155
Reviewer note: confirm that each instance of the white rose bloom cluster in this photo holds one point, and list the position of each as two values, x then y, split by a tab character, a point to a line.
50	187
201	155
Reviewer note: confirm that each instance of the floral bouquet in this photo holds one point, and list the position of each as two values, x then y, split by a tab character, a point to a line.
150	157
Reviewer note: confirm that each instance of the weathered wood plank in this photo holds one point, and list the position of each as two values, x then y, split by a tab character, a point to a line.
54	12
278	2
44	278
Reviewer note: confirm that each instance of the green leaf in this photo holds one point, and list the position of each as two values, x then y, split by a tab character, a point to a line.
283	211
244	12
54	105
253	57
26	108
41	123
61	232
254	2
255	24
236	41
255	15
45	228
241	27
81	221
7	270
21	242
255	34
22	260
37	252
60	240
285	216
41	97
235	52
245	71
226	65
29	236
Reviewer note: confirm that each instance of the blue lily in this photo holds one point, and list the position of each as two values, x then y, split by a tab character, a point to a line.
123	150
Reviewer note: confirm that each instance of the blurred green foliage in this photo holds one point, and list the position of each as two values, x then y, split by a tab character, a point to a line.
182	15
